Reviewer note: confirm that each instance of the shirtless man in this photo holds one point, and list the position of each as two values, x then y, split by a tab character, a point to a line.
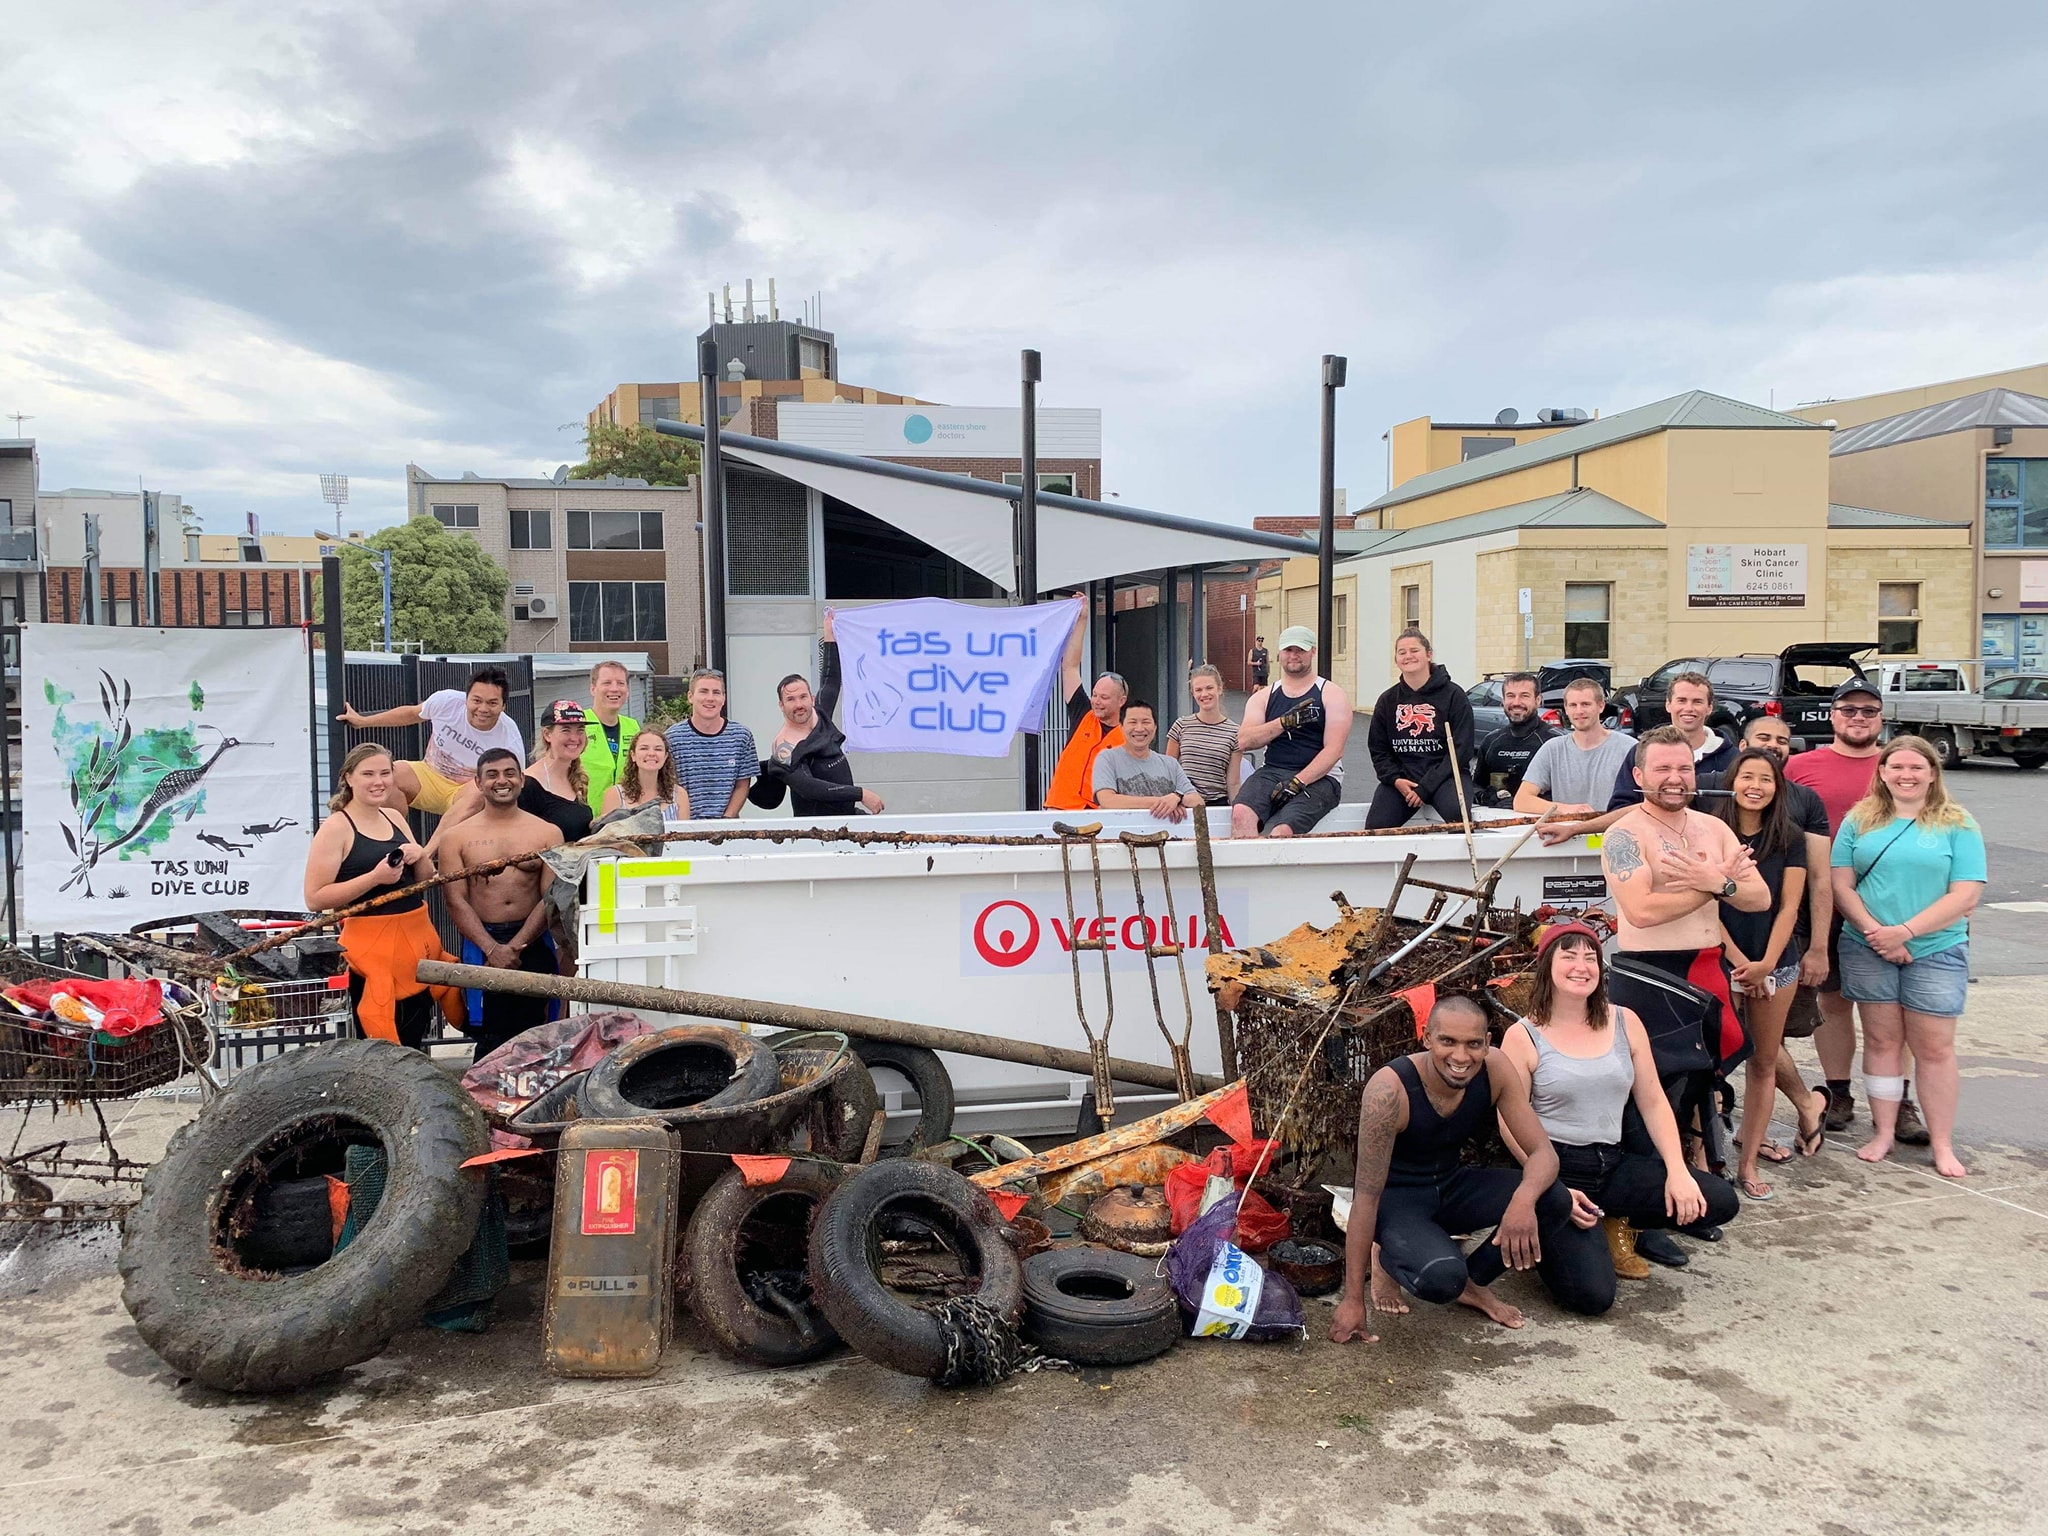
500	916
1670	866
1412	1195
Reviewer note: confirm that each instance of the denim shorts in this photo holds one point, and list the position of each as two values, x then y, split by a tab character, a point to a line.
1936	984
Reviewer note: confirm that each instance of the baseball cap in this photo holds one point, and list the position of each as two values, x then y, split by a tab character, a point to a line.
1856	685
562	712
1299	636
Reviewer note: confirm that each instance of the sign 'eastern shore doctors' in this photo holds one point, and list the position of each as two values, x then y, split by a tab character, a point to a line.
930	675
164	771
1745	576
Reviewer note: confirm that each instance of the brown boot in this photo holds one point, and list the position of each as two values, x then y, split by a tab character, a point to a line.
1621	1247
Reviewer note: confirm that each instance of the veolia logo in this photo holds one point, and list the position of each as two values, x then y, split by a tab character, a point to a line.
1004	948
917	429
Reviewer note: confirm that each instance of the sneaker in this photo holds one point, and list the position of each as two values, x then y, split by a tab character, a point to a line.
1841	1112
1911	1130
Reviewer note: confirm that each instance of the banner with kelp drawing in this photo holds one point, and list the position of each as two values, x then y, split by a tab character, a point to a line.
163	772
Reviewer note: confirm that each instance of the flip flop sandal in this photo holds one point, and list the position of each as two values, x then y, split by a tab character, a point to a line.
1756	1190
1772	1152
1810	1142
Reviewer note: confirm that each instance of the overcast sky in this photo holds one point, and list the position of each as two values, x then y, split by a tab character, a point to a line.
244	244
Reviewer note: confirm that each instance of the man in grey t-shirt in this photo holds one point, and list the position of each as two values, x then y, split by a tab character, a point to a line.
1133	777
1573	774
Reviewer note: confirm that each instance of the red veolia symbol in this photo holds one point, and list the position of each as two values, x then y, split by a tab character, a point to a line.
1006	949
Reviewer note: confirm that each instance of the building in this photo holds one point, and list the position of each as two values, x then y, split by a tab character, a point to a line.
1421	446
595	565
1973	451
1695	526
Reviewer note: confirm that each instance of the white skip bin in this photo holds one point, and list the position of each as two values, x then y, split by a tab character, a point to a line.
976	938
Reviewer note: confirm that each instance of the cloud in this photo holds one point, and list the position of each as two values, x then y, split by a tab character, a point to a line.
248	243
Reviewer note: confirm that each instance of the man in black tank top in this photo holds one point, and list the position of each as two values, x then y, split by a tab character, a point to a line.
1412	1195
1302	721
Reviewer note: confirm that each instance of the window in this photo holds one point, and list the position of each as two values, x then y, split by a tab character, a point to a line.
1587	610
655	408
1341	614
521	611
868	558
618	610
1058	485
457	517
767	537
1411	607
2016	503
613	528
1661	678
1898	618
1486	694
1747	674
814	354
530	528
1479	447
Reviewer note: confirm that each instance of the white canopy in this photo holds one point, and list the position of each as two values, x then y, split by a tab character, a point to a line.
973	521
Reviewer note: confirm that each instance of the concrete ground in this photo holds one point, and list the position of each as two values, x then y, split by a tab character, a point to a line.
1866	1353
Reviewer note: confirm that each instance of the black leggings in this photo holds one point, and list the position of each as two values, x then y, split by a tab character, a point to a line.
1416	1223
1388	809
1627	1184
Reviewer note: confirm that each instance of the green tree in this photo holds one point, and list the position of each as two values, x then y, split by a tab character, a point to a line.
635	452
445	593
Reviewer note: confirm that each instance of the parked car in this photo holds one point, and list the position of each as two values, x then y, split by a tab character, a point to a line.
2009	718
1797	684
1921	677
1551	678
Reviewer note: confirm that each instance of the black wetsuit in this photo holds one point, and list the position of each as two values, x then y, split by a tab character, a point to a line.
1430	1197
1504	758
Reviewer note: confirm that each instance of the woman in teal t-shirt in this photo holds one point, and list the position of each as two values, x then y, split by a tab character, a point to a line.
1908	869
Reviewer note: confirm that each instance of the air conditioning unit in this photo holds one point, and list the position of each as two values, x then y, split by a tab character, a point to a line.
542	606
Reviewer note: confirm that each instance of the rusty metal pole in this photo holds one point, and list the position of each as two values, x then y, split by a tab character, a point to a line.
1212	924
742	1010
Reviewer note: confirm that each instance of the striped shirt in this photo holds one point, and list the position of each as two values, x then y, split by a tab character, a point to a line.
711	767
1205	753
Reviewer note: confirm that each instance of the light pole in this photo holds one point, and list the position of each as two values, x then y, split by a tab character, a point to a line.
1326	603
711	494
1027	545
334	491
384	559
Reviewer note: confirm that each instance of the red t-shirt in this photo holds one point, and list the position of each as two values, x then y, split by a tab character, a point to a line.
1838	779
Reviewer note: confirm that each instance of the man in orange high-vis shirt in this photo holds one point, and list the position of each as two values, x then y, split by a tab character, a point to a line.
1093	720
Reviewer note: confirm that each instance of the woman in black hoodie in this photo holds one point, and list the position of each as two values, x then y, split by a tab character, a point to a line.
808	756
1410	750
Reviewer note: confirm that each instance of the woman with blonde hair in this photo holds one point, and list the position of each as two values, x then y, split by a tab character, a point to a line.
648	777
363	849
1908	869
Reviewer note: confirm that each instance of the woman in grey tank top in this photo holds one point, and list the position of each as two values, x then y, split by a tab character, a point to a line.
1585	1059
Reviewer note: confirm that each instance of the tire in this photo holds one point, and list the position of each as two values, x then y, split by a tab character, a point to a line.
846	1256
1943	743
693	1066
928	1076
222	1323
836	1120
1096	1306
291	1226
740	1234
2028	763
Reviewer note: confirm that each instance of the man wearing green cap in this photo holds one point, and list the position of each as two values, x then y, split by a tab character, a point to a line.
1302	722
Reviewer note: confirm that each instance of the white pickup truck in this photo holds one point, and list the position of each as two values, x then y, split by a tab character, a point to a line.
2007	717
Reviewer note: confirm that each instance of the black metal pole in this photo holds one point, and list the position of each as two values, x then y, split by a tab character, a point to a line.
337	660
1027	551
1326	577
711	501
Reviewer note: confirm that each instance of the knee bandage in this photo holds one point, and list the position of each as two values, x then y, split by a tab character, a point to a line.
1891	1089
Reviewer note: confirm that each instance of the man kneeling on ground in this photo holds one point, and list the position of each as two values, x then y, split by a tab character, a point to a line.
500	915
1412	1196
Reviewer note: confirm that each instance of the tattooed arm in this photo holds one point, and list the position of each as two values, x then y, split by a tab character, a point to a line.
1382	1115
1626	862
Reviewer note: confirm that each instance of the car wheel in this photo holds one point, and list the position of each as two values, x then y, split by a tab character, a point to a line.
1943	742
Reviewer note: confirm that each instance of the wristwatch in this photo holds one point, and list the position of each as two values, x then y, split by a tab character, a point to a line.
1727	889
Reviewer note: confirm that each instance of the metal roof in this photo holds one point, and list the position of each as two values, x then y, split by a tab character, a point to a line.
1987	408
1568	509
533	483
1692	411
1840	516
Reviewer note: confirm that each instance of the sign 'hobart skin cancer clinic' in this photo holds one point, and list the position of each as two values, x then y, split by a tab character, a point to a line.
1745	576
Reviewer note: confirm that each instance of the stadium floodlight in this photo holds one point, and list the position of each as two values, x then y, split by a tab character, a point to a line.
334	491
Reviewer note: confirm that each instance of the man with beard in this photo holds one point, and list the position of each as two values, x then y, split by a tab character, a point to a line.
1840	773
1504	755
500	916
808	756
1412	1193
1093	725
1302	722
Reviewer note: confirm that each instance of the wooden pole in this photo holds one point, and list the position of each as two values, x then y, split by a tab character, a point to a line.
741	1010
1205	867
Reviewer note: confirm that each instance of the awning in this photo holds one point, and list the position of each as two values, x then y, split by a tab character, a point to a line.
973	520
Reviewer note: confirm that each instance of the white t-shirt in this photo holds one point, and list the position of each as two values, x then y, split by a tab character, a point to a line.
455	746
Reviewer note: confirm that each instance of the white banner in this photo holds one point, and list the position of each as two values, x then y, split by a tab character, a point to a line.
1745	576
164	771
931	675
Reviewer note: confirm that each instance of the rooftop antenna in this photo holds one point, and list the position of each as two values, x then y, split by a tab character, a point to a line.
711	307
725	289
750	301
334	491
773	314
18	418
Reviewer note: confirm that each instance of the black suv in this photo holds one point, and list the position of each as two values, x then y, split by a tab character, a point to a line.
1798	684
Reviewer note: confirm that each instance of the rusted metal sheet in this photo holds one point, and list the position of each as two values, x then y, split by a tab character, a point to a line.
1139	1133
1144	1166
1301	966
611	1267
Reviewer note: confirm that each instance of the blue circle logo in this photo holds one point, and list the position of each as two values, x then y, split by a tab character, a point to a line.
917	429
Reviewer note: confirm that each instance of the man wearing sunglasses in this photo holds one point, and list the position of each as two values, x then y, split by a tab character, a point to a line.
1840	773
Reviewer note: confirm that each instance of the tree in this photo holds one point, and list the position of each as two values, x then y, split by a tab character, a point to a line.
445	593
635	452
